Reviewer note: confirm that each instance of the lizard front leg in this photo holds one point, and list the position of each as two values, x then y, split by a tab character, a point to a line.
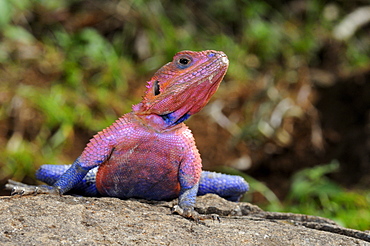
97	151
189	175
186	205
18	188
66	182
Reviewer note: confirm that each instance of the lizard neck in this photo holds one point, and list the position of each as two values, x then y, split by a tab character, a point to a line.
156	122
166	119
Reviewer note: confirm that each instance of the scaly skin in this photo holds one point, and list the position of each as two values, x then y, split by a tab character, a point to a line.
150	153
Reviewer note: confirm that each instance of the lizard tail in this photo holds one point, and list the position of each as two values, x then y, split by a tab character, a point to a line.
230	187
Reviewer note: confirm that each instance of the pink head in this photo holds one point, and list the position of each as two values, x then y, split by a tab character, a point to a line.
184	86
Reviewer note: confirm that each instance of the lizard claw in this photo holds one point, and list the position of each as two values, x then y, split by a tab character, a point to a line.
215	217
18	188
192	214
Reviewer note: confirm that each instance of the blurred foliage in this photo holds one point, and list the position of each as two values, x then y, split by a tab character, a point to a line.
70	68
313	193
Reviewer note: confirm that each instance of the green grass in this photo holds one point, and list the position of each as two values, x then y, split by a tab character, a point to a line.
314	193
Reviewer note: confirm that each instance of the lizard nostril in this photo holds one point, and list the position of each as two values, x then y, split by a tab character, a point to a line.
225	60
219	55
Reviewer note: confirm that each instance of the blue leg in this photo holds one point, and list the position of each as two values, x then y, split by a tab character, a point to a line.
51	173
72	177
230	187
187	197
187	201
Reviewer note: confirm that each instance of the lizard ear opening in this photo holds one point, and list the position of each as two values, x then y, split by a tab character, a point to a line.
156	89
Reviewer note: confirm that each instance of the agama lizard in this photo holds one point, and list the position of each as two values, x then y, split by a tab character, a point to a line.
150	153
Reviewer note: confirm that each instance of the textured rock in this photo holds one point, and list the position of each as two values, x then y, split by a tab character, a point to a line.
68	220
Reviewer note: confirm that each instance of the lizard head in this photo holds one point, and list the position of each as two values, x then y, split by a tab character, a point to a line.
184	86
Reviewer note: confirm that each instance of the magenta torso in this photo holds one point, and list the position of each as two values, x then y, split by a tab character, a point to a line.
146	164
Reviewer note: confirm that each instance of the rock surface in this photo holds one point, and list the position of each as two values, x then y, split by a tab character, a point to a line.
68	220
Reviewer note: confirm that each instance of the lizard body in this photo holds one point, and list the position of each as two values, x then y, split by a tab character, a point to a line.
150	153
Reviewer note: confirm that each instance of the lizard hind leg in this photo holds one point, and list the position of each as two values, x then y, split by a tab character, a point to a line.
230	187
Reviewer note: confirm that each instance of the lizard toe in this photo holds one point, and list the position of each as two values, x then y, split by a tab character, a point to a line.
190	213
18	188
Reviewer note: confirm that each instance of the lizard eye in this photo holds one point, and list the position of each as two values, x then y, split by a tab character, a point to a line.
183	62
156	89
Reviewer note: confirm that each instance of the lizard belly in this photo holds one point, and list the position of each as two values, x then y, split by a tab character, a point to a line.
142	172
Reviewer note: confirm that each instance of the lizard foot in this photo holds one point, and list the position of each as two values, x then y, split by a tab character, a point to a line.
18	188
192	214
